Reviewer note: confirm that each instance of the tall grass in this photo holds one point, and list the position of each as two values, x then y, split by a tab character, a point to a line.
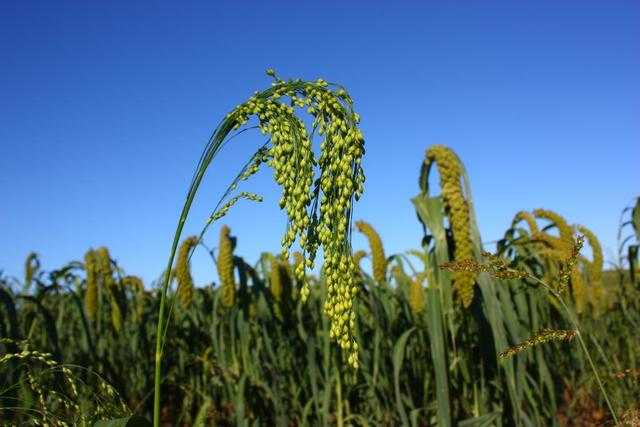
245	364
272	344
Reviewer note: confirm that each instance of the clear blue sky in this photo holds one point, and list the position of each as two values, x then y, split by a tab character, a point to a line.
106	106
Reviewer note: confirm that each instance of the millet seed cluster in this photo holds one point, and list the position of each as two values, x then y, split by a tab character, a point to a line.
457	210
340	182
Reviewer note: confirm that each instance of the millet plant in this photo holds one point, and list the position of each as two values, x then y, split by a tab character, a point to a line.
317	191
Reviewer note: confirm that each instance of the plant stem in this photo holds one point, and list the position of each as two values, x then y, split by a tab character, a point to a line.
163	295
576	326
161	310
340	420
214	144
593	366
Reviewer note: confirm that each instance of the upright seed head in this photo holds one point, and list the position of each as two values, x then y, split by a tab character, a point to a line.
416	293
225	268
91	292
275	284
378	258
183	272
112	288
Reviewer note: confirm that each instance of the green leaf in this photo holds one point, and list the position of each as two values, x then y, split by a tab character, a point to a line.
398	356
132	421
481	421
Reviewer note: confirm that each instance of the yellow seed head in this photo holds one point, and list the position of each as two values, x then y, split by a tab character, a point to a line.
294	162
528	218
564	229
416	293
378	259
357	257
225	268
183	272
457	210
31	265
275	284
91	292
113	290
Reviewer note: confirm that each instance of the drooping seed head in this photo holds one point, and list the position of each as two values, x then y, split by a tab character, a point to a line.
318	208
457	210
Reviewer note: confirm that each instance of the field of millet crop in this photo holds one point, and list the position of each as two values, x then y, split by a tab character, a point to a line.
537	333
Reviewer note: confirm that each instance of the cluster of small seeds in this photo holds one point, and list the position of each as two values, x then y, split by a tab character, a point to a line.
564	229
416	293
541	337
112	288
457	210
225	267
51	401
495	265
555	250
104	265
378	259
261	156
298	259
31	265
553	244
225	209
567	270
280	284
29	354
91	292
46	359
183	272
275	284
528	218
341	181
565	232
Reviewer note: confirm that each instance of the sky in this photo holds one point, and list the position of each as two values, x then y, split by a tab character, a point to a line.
105	108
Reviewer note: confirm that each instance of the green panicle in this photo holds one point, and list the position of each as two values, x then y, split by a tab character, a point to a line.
183	272
541	337
225	268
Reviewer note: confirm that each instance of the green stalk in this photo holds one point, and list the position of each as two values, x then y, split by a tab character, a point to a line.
159	329
593	367
340	419
217	140
213	146
576	326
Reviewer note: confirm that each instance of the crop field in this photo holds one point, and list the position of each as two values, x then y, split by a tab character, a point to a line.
317	332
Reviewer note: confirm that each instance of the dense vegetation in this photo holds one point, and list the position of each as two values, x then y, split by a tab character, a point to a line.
267	358
417	344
